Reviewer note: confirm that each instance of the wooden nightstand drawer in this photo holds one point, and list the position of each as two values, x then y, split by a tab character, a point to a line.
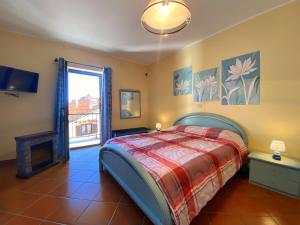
273	181
278	175
275	170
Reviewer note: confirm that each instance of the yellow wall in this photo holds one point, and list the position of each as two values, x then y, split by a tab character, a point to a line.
277	36
33	113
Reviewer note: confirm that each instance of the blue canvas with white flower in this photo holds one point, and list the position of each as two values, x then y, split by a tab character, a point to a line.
206	85
241	80
182	81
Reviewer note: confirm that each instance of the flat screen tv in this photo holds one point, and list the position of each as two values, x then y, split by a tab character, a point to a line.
15	80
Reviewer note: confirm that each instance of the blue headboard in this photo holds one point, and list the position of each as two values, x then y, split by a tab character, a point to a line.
212	120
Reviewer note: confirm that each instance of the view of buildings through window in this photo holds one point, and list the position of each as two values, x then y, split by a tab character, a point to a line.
84	108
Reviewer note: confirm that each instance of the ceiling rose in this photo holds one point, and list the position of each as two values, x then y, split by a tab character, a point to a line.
165	17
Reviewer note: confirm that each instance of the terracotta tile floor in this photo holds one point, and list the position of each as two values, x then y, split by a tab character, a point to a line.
76	194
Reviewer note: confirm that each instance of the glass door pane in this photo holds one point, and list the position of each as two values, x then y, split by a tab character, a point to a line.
84	108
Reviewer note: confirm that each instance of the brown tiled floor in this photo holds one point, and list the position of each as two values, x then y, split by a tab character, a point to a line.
76	194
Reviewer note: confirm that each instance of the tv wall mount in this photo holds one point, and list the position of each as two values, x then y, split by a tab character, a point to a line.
14	94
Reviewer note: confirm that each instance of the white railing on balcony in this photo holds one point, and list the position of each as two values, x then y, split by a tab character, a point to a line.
84	129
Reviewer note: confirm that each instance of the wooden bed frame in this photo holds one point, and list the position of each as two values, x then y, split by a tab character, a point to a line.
139	184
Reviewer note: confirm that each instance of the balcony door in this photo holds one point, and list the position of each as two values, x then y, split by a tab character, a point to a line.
84	107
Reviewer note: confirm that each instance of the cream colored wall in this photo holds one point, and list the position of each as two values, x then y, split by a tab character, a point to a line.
33	112
277	36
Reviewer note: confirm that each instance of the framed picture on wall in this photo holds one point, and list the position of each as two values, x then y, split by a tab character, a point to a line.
182	81
130	104
206	86
241	80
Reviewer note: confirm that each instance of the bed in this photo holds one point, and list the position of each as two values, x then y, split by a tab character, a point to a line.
140	185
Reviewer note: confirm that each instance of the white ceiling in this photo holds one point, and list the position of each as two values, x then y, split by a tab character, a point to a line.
114	26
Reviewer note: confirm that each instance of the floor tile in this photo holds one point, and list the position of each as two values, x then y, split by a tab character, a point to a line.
254	206
66	174
43	187
66	189
102	178
292	219
19	220
97	213
127	215
109	193
96	178
4	217
69	211
43	207
225	219
87	191
201	219
60	176
16	201
223	204
84	166
259	220
259	192
50	223
279	207
82	176
28	183
147	221
125	199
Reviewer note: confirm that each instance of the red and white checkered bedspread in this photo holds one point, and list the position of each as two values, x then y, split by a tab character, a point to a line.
189	163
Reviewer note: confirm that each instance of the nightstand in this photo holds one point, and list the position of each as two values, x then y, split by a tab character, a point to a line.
130	131
281	176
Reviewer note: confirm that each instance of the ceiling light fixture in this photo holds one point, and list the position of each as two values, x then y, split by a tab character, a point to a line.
166	16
